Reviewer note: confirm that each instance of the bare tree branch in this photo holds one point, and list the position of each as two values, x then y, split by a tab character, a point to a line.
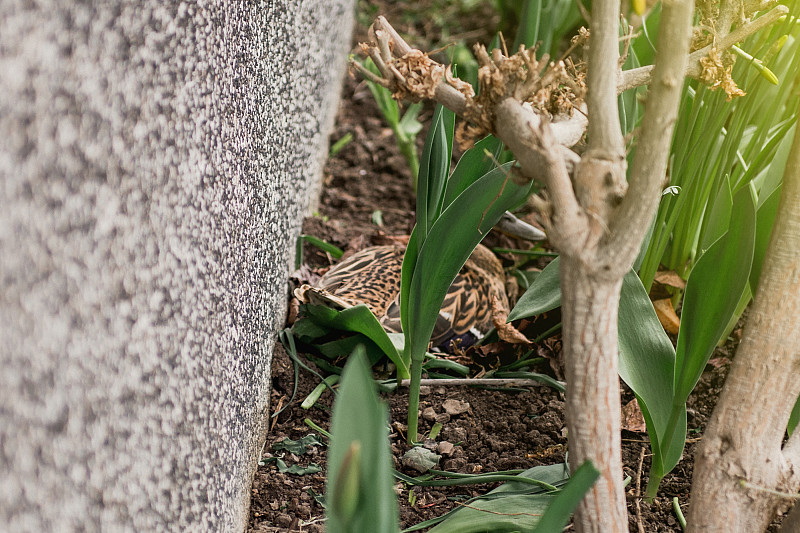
605	136
532	141
642	75
635	213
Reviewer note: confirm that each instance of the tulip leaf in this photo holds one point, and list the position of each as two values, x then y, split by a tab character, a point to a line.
358	319
713	291
543	295
448	245
359	487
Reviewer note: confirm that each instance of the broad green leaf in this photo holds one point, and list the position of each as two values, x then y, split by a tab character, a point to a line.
719	218
712	293
449	244
359	489
297	470
772	177
409	124
543	295
647	365
765	217
406	275
794	418
565	502
472	165
358	319
530	19
513	506
342	347
298	447
308	331
433	171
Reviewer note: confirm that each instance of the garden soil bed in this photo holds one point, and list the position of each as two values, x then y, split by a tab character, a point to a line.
502	429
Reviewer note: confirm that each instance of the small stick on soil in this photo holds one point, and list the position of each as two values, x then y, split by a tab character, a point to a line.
639	524
479	381
277	410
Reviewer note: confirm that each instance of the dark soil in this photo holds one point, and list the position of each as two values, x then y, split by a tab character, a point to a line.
501	430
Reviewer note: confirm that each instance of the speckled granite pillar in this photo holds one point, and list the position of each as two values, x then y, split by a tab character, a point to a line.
155	162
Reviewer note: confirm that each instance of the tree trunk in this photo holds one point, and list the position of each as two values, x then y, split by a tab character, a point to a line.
589	306
742	461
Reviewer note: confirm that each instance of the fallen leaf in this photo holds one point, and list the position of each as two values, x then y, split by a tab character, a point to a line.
670	278
632	418
420	459
506	331
666	315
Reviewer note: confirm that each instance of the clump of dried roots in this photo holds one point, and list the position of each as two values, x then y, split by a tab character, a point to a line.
550	88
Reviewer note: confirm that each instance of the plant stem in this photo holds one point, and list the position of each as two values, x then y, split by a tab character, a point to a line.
654	478
413	400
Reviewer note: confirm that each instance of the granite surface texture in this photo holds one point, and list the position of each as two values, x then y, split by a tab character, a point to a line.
156	159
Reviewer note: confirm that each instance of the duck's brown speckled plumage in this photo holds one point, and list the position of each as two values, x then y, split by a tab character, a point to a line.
372	277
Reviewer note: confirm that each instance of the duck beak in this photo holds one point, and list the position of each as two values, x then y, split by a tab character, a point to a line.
511	225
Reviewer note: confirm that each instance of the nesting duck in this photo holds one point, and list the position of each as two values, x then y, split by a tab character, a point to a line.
476	301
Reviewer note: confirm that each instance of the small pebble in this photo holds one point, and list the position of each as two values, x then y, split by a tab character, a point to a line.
283	520
429	414
455	407
445	448
442	418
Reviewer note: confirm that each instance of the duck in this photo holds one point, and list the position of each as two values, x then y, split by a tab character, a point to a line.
477	300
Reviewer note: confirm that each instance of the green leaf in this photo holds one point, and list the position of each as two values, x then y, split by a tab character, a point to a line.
297	470
530	19
719	217
338	348
647	366
433	170
765	218
358	319
307	330
383	97
449	244
406	275
712	293
473	164
794	418
644	44
543	295
409	124
564	504
512	506
297	447
359	489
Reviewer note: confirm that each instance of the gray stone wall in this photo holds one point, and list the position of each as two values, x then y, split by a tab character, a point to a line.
155	162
